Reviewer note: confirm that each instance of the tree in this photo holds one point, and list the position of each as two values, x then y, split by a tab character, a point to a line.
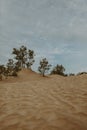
44	66
24	57
71	74
12	68
10	65
58	69
2	68
81	73
20	55
3	71
6	72
30	58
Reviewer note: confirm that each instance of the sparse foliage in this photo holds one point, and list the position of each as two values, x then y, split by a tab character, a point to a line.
71	74
24	57
2	68
58	69
20	56
4	71
10	65
14	73
0	77
1	71
12	68
44	66
81	73
30	58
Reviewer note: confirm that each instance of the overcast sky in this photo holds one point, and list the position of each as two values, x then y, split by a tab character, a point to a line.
56	29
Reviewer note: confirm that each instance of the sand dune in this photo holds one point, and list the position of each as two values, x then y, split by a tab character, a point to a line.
31	102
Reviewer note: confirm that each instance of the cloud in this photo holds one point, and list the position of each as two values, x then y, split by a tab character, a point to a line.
55	29
57	19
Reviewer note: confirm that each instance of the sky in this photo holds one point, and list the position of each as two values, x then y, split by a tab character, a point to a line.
55	29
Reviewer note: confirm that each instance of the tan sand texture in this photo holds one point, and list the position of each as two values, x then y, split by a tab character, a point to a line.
33	102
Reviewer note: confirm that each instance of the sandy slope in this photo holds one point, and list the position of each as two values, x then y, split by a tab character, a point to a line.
31	102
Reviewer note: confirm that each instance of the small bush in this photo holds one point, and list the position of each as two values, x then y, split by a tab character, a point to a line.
58	69
44	66
0	77
14	74
71	74
80	73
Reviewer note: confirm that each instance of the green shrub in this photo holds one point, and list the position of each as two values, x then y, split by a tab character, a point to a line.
58	69
44	66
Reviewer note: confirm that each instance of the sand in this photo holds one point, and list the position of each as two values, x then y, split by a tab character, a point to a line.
33	102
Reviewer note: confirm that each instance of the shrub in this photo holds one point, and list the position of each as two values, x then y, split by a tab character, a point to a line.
24	57
0	77
14	74
44	66
80	73
58	69
71	74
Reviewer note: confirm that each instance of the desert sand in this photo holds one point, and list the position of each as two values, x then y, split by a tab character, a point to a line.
33	102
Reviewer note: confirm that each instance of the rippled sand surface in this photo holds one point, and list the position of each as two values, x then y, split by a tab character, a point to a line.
31	102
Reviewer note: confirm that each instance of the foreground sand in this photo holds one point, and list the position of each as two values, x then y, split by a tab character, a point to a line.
31	102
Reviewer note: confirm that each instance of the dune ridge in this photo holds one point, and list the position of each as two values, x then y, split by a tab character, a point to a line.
33	102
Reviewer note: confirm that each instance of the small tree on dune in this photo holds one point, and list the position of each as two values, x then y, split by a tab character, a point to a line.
58	69
6	72
24	57
3	71
12	68
30	58
44	66
2	68
20	56
10	65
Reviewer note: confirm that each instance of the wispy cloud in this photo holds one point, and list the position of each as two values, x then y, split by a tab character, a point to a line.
55	29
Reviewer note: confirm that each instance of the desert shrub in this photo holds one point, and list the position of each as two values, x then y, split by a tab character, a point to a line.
12	68
0	77
58	69
6	73
80	73
24	57
2	70
65	75
14	74
44	66
71	74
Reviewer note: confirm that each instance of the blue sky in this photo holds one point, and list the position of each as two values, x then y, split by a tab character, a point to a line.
56	29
